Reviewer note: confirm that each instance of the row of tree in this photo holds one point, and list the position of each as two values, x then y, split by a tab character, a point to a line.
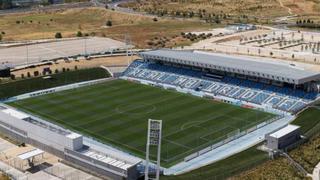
307	23
202	14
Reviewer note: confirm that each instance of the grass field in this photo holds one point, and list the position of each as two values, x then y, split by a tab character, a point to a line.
309	121
225	168
253	164
307	154
117	112
18	87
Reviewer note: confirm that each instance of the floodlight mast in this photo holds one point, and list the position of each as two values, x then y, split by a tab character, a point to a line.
128	46
154	139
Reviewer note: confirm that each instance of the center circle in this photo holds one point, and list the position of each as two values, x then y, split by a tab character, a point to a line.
135	108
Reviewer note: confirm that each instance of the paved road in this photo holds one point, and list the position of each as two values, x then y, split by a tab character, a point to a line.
45	8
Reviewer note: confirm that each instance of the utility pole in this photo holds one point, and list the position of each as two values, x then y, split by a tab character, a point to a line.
85	46
27	53
128	44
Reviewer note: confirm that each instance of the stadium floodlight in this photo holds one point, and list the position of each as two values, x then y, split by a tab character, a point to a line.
154	139
128	43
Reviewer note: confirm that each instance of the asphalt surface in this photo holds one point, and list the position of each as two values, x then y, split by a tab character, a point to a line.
52	50
45	8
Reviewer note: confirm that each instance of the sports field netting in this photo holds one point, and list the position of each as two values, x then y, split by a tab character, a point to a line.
117	112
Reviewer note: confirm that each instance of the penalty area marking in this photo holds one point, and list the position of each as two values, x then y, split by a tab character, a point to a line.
189	124
126	108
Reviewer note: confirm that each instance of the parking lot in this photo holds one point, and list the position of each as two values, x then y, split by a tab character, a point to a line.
57	49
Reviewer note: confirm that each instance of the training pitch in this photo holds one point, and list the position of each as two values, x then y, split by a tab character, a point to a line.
117	112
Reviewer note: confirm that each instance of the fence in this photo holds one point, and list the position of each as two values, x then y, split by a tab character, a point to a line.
230	137
294	163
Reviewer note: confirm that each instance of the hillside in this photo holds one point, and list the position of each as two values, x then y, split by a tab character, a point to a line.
251	8
92	22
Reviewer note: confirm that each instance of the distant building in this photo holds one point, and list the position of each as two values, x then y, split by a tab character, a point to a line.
242	27
283	137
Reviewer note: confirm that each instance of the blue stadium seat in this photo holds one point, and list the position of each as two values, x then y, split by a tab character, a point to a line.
260	98
286	105
298	106
233	87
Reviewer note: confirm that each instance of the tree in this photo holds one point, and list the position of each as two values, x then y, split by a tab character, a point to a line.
217	20
0	37
79	34
109	23
58	35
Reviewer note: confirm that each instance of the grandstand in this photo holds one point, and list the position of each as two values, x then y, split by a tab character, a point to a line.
259	84
112	113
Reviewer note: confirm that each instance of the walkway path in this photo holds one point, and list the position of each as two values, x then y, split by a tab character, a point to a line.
283	6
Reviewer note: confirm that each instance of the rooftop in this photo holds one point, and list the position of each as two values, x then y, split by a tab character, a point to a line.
31	154
286	130
16	114
120	163
239	63
22	116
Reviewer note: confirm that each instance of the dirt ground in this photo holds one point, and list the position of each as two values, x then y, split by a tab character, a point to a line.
302	6
92	22
230	44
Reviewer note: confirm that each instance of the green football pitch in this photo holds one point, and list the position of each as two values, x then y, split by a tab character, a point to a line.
117	112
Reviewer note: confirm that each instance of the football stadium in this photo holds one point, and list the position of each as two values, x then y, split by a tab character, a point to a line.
207	102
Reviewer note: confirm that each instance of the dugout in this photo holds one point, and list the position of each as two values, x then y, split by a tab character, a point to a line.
283	138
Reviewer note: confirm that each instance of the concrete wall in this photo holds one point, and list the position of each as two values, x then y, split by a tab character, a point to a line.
35	132
101	167
284	141
74	157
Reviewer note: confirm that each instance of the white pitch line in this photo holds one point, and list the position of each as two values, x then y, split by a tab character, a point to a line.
52	50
